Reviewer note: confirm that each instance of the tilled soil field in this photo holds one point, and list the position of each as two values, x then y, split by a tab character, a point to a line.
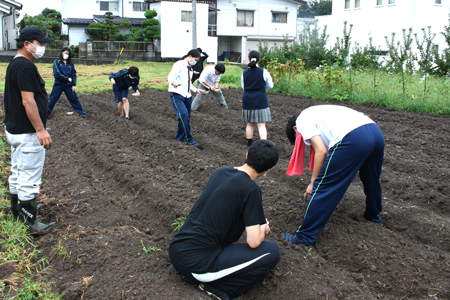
115	186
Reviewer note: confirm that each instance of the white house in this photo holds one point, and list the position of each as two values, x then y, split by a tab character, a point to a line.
78	14
9	12
379	18
241	25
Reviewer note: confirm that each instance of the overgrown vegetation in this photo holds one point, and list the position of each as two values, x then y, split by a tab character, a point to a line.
315	8
49	21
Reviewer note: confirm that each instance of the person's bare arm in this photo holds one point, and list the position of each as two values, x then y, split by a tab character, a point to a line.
256	234
319	157
33	115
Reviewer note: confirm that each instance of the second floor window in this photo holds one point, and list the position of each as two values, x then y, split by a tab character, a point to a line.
391	2
279	17
379	2
140	6
438	2
245	18
186	16
347	4
357	3
104	5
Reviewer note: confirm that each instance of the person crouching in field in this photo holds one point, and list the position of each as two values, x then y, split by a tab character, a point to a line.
180	88
65	81
122	81
203	249
255	106
343	141
209	80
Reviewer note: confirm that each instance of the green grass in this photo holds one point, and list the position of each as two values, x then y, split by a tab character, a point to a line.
17	249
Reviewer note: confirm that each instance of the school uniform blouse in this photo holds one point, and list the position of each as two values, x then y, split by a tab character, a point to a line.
63	71
255	82
180	75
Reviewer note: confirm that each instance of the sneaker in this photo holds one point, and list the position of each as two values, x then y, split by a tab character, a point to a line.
293	238
126	118
193	143
83	116
213	291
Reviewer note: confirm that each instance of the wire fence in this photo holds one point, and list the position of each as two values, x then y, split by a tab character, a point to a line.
107	46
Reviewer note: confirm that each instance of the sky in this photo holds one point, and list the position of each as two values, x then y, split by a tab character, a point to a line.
35	7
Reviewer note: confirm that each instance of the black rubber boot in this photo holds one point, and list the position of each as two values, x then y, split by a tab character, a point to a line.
28	214
13	200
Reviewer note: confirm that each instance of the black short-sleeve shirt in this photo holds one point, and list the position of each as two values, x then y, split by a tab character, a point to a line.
230	202
22	75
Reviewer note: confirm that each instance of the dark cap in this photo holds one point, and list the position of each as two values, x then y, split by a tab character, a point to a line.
32	33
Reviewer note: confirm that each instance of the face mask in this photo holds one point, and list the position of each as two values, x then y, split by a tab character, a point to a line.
192	63
65	56
131	77
40	51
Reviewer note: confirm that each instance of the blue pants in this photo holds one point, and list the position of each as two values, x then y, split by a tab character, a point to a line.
236	268
182	108
361	150
70	94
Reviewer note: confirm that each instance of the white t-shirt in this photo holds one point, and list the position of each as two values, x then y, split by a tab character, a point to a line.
331	122
209	75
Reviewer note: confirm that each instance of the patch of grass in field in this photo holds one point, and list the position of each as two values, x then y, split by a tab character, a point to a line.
18	250
232	76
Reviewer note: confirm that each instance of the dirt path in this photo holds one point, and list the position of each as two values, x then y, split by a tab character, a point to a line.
112	185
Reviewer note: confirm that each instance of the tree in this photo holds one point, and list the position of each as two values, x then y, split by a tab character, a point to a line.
49	21
315	8
442	61
150	32
105	31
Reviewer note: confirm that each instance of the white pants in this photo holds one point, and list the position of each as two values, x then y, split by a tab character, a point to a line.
27	162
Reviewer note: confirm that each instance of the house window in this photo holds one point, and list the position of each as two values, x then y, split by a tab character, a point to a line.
279	17
438	2
347	4
104	5
245	18
391	2
357	3
379	2
186	16
436	48
140	6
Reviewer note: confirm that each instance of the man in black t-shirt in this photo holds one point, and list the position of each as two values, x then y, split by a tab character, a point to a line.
26	102
203	249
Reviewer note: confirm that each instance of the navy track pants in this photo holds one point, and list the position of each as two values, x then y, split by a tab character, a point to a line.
360	150
70	94
182	108
236	268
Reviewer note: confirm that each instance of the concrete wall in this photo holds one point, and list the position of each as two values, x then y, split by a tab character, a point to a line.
176	36
376	22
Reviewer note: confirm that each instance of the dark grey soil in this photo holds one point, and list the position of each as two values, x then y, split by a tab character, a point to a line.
112	184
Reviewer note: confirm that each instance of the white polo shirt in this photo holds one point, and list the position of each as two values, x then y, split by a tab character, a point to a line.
209	75
331	122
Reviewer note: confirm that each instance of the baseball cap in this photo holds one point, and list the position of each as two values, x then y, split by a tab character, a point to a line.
31	33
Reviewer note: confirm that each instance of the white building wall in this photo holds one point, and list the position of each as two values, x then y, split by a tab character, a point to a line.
376	22
176	36
263	25
77	34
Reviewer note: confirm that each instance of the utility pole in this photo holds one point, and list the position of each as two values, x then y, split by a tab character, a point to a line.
194	24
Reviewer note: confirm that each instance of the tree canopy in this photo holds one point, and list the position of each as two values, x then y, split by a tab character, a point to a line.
315	8
49	21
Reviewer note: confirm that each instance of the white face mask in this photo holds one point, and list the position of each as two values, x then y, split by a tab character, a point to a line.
65	56
131	77
192	63
40	51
